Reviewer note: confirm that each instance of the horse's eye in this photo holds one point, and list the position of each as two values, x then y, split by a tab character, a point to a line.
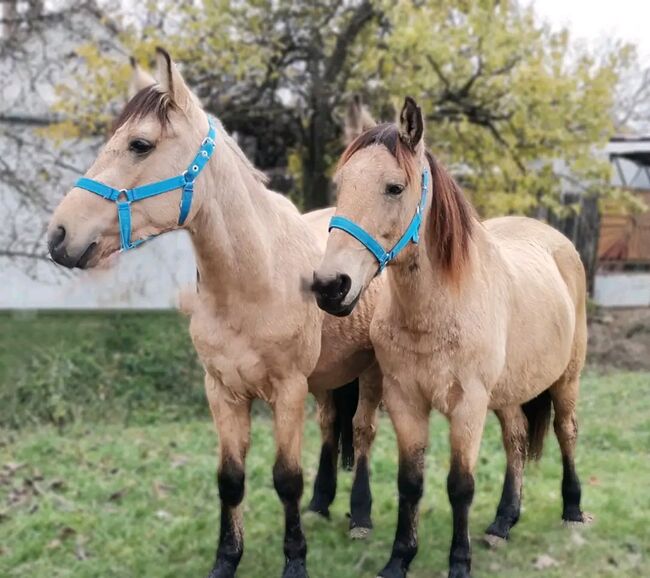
140	146
394	190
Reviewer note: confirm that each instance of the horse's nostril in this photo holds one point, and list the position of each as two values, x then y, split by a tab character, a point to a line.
344	283
334	289
56	238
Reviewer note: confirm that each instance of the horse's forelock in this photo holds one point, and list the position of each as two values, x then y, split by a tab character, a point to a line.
148	101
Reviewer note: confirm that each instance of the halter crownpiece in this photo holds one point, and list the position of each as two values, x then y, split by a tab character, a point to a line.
411	235
124	197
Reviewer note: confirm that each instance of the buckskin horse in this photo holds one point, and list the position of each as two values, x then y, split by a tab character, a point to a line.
473	316
255	327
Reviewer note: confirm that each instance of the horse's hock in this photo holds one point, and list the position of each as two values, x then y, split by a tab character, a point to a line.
620	338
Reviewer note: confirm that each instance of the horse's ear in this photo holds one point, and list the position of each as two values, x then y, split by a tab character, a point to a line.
170	79
411	124
140	78
357	119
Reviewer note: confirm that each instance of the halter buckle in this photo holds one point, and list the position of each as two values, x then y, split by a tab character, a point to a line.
124	192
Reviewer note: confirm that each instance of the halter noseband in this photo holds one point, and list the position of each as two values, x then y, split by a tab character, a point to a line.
412	233
124	197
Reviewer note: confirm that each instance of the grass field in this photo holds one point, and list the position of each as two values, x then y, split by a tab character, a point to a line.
129	491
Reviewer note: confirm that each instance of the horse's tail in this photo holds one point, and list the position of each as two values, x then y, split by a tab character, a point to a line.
538	414
346	399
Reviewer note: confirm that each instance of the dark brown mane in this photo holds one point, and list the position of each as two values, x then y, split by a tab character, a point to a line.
149	100
452	219
452	215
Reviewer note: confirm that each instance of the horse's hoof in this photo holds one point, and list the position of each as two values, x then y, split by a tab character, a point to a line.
223	569
459	572
581	519
309	513
494	542
360	533
393	570
295	569
323	512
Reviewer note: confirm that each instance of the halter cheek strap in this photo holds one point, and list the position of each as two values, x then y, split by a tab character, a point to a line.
411	235
124	197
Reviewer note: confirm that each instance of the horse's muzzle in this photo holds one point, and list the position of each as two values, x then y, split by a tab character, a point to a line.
58	248
331	293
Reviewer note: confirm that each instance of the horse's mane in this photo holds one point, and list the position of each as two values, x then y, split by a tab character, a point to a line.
151	100
229	141
452	215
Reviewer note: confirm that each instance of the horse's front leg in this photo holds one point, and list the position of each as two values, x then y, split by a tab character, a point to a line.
466	420
411	422
325	483
365	429
232	421
289	416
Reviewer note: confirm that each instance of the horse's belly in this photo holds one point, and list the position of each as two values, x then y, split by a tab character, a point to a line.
538	350
333	372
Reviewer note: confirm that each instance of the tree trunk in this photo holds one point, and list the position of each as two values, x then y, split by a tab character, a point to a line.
314	161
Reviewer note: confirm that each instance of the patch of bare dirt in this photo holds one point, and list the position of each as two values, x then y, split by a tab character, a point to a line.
620	338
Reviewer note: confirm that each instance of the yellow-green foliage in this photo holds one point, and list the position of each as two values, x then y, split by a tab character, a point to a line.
504	96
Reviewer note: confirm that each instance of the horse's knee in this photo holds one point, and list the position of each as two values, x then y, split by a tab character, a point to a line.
288	481
231	481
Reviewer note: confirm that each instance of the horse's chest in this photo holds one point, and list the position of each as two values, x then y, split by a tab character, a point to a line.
414	354
230	356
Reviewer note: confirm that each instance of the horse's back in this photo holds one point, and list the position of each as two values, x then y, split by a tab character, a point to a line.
525	232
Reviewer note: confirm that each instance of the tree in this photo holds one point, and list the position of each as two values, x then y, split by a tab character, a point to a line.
516	109
509	103
276	69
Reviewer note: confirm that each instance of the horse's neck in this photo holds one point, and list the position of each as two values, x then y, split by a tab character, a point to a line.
230	231
420	286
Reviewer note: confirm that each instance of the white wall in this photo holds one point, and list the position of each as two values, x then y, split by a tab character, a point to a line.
147	277
622	289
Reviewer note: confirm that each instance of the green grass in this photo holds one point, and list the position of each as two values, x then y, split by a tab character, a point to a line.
103	499
108	458
61	368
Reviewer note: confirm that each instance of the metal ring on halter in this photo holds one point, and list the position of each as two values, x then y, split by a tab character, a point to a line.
124	192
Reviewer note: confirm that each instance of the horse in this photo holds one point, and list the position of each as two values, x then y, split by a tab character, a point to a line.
253	323
473	316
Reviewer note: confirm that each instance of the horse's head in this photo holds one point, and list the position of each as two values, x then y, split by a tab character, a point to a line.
390	193
379	186
155	138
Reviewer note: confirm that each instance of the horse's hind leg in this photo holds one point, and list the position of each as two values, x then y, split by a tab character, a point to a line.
325	483
288	415
232	421
365	428
564	394
514	433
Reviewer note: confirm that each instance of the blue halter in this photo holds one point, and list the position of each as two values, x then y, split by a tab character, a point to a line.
412	233
124	197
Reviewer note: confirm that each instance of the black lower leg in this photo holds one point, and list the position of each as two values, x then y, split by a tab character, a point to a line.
571	492
289	485
460	488
325	483
361	498
230	479
346	400
410	484
508	509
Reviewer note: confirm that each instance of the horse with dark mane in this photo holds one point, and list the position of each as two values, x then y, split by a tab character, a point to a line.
473	316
